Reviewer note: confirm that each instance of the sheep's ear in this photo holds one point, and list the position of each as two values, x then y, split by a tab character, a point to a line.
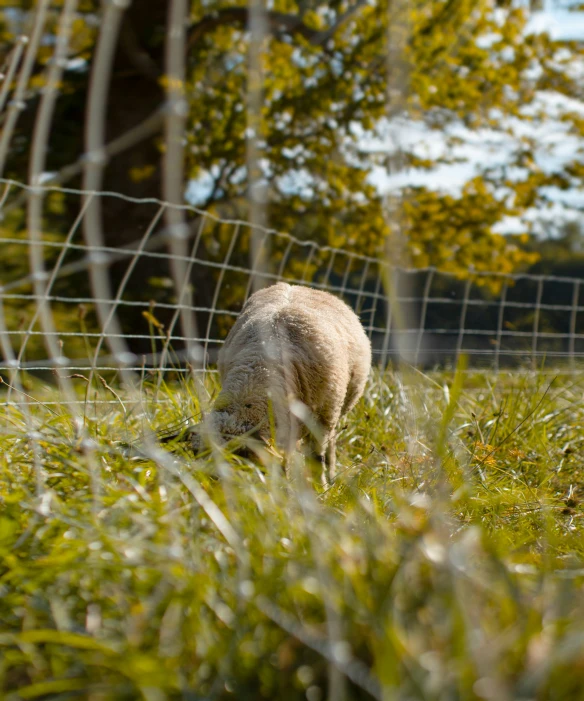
222	401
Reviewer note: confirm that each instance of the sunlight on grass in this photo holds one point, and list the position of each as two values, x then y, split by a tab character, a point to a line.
444	561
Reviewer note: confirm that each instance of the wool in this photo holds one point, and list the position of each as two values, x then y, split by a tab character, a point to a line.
299	352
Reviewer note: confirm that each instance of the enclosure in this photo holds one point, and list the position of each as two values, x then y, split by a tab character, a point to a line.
160	162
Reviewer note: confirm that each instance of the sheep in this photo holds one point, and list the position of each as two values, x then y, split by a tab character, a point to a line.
297	354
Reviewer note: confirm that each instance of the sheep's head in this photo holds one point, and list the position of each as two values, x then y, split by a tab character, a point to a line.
232	417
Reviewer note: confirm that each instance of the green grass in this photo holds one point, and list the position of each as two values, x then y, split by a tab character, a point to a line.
443	563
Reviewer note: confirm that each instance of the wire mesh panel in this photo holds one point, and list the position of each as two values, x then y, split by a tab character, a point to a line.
56	320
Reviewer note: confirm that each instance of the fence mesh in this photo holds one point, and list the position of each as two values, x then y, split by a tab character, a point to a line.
59	316
86	300
163	299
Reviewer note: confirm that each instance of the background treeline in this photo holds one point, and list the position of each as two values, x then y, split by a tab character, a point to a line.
332	124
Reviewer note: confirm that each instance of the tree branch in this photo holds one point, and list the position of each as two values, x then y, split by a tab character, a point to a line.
326	34
136	55
278	23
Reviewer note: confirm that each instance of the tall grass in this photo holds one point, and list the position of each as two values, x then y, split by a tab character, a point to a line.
443	563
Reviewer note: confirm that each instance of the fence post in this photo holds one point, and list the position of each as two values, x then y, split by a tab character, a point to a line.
257	269
359	300
374	302
573	315
184	298
423	312
346	274
500	319
536	322
329	269
309	258
285	256
388	316
460	339
226	260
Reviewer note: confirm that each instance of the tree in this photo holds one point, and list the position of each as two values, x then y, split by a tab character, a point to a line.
326	83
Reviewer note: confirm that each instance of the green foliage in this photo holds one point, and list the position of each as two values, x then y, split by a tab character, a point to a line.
328	74
444	561
466	239
314	98
22	315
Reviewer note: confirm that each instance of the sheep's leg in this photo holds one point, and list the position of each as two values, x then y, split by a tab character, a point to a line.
326	451
330	459
315	453
323	449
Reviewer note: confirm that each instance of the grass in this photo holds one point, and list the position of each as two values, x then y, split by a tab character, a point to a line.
445	562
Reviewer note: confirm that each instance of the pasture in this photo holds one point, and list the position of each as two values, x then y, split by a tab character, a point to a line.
421	160
445	562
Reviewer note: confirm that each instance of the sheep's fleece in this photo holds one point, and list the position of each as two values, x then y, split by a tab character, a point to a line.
306	352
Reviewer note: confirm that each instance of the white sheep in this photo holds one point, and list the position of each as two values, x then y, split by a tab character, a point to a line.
299	353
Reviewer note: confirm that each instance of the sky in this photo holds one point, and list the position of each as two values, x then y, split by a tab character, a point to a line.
556	145
559	21
479	147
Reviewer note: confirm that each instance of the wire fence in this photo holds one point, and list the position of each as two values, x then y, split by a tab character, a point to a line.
163	298
55	319
84	298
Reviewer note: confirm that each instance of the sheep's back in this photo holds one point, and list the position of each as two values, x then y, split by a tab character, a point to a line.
310	336
328	348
